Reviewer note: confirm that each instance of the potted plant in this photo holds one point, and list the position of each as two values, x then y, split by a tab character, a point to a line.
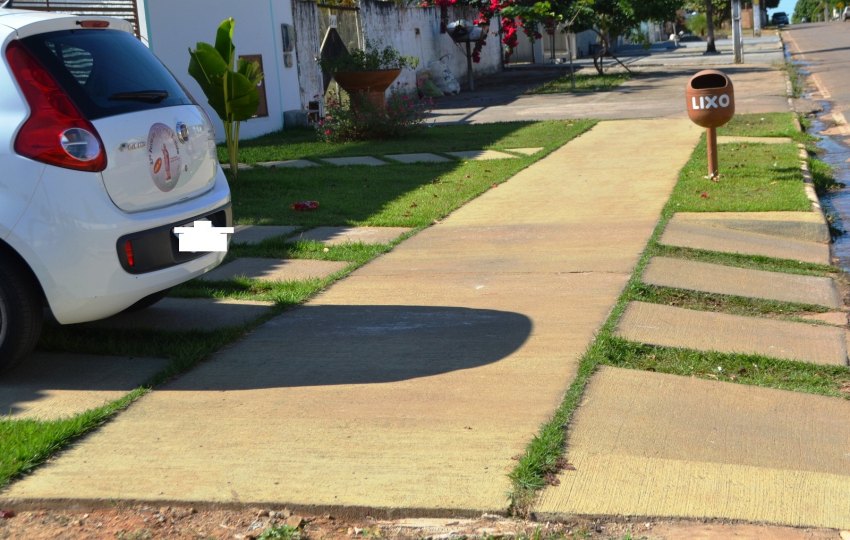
368	71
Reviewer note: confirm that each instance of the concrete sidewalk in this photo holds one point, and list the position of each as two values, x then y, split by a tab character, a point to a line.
410	385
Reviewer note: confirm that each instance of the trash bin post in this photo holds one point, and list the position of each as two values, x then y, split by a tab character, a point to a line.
710	101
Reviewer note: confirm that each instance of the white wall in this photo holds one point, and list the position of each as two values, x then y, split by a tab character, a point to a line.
415	31
172	27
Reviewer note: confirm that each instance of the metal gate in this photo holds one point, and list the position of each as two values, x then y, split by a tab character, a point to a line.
123	9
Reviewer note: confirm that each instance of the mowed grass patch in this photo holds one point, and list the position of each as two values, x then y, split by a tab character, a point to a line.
753	178
583	83
303	143
776	124
397	195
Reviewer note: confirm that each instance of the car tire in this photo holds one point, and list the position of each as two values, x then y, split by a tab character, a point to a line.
147	301
21	314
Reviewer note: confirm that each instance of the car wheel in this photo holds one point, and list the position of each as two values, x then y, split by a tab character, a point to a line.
148	301
21	314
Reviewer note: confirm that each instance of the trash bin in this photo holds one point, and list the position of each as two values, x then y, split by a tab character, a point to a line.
710	101
710	98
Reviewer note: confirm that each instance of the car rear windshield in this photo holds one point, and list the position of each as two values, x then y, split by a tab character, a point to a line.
106	72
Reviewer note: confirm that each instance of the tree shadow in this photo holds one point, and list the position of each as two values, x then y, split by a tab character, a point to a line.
307	346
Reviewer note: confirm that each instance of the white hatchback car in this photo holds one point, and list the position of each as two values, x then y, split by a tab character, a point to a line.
102	154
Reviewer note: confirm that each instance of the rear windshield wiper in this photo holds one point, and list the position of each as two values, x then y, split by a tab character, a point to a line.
148	96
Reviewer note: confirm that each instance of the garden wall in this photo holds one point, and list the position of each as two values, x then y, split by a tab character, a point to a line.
415	31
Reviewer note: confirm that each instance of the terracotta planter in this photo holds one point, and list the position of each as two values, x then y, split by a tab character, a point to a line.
372	84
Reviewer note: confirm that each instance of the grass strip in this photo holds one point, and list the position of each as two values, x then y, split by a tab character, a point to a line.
755	262
544	456
581	83
302	143
24	444
734	305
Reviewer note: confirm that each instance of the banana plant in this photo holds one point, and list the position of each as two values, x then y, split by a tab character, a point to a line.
229	85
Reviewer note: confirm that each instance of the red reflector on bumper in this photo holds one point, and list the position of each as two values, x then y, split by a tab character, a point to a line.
128	252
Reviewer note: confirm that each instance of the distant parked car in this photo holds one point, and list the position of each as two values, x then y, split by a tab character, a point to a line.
102	155
780	18
845	14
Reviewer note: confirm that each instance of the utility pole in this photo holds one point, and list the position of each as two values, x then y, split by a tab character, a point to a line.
737	38
756	18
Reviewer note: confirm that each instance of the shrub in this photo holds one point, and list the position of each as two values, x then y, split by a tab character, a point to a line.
357	118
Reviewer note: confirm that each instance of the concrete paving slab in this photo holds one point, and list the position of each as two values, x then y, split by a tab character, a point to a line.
835	318
669	326
288	163
184	314
726	139
651	444
334	236
274	269
808	226
50	386
481	155
255	234
716	278
699	236
422	157
241	166
356	160
528	151
397	389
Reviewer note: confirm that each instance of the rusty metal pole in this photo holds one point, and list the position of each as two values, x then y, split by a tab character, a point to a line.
711	144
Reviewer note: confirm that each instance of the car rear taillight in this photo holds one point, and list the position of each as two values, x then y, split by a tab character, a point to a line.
56	132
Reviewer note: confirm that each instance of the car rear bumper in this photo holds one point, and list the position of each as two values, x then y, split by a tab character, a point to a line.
69	235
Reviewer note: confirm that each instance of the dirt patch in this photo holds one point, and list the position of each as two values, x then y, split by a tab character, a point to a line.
142	522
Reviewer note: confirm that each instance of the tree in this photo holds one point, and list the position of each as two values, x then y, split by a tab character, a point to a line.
608	18
611	19
715	11
710	47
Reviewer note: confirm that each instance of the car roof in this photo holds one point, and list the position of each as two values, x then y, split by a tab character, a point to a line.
23	22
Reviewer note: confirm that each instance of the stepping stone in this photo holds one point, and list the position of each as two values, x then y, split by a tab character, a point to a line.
653	444
669	326
699	236
481	155
726	139
525	151
715	278
808	226
254	234
274	269
49	386
288	163
185	314
334	236
418	158
361	160
242	166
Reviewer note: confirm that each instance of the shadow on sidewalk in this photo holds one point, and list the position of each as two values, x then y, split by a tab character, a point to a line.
308	346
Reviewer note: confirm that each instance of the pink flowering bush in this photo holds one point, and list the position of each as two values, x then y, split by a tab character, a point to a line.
357	118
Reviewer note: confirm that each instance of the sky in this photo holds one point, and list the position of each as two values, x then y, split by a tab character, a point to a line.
785	5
